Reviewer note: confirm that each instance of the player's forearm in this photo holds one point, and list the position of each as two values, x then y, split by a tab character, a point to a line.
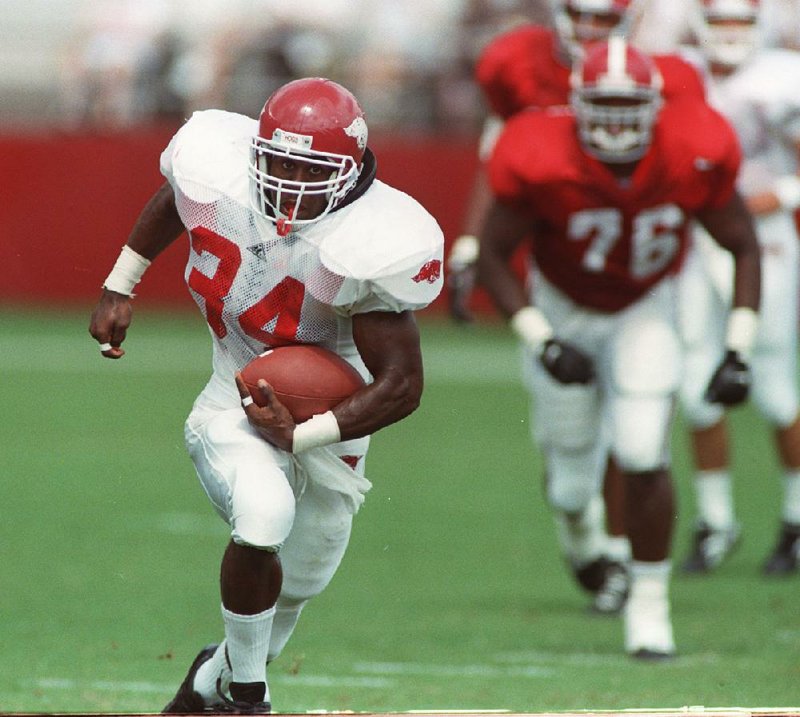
499	281
157	226
388	399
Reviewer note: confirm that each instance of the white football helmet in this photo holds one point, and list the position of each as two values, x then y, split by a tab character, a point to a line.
728	31
579	23
312	120
616	97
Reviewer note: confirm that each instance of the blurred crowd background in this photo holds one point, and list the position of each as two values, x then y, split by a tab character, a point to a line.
117	63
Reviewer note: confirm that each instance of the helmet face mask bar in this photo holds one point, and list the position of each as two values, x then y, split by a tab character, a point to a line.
307	153
616	97
280	199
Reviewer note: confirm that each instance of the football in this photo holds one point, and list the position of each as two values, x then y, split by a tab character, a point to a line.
307	379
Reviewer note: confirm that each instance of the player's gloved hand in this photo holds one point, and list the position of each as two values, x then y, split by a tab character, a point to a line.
461	277
566	363
730	384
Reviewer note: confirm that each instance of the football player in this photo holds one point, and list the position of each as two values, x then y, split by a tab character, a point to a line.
756	89
292	239
607	189
530	67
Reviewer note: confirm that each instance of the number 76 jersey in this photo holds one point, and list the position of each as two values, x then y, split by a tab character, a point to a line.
602	241
380	252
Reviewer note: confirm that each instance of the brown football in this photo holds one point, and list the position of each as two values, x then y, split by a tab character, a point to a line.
307	379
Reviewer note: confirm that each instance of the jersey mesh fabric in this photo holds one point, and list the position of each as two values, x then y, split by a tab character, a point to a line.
257	290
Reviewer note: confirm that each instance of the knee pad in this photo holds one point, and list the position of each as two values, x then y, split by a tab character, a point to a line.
262	507
775	390
641	432
574	478
565	418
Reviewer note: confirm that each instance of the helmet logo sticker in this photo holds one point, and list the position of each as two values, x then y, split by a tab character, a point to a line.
291	140
357	129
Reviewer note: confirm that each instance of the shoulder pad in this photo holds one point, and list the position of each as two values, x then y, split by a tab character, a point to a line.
209	154
388	248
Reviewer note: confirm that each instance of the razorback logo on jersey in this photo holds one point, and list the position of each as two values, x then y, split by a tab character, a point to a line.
430	272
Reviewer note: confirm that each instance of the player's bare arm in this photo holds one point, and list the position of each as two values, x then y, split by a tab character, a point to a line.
389	346
732	228
156	228
502	232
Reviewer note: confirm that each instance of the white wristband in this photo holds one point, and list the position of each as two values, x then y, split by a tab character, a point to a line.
127	272
787	190
464	252
741	332
531	326
319	430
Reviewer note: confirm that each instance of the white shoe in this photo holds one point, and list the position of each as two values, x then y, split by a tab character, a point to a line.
648	628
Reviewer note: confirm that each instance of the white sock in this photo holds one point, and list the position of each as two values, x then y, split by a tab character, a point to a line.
791	497
205	681
647	612
714	494
618	549
583	536
247	639
650	580
286	617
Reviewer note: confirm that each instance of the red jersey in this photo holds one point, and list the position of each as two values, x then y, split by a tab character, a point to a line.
603	242
523	68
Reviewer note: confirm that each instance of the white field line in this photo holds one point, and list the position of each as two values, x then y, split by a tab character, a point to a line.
322	681
190	354
409	669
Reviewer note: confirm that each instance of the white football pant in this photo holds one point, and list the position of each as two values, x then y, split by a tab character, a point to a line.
706	287
270	504
627	410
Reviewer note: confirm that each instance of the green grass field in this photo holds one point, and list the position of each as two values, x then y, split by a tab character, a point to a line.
451	596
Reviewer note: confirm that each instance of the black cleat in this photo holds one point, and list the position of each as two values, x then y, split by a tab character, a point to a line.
785	557
592	576
652	655
611	597
186	700
247	698
710	547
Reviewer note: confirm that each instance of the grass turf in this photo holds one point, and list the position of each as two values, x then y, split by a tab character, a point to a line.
451	596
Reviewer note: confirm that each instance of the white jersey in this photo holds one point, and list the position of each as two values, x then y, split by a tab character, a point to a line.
381	252
762	102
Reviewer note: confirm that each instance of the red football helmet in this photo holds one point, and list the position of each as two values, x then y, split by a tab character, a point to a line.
728	30
616	96
315	121
580	23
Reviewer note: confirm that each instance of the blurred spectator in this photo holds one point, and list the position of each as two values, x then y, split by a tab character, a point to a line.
118	50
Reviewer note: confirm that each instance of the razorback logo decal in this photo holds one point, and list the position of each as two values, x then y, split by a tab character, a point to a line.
430	272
